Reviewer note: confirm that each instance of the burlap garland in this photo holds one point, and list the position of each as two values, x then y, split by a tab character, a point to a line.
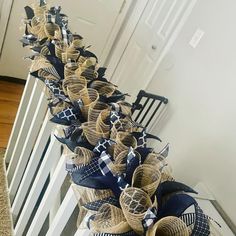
134	203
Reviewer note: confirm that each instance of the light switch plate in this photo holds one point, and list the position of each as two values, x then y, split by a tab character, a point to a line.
196	38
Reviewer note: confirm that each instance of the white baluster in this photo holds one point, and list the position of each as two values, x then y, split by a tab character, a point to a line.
49	159
19	117
65	211
29	143
48	198
29	114
33	164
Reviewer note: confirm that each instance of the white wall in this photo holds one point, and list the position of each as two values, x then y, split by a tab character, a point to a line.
201	86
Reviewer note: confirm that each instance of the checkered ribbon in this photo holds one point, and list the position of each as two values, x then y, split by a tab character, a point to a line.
102	145
149	218
105	163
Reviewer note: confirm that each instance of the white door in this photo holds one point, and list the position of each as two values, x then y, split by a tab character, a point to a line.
154	30
95	20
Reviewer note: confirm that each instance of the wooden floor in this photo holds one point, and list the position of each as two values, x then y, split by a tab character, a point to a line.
10	95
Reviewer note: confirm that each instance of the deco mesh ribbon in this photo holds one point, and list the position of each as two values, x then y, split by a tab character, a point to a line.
124	187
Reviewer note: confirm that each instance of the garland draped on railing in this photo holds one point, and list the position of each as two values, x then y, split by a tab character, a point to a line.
124	186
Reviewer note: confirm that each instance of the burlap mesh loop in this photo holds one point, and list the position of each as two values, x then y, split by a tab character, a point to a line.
39	63
160	164
87	68
146	177
134	203
89	98
120	163
73	90
103	123
110	219
121	125
70	69
95	110
70	55
103	88
124	141
83	156
90	132
52	30
39	10
46	75
77	41
59	49
73	80
169	226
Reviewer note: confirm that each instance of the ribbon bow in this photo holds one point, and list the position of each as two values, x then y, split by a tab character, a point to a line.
150	218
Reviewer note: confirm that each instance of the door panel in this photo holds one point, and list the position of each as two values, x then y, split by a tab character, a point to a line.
92	19
153	31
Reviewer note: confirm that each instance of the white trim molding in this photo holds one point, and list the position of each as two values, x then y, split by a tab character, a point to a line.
5	12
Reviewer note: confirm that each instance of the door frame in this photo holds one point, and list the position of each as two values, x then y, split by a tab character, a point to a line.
5	13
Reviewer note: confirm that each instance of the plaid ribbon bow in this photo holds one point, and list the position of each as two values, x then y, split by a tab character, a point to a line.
149	218
105	164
